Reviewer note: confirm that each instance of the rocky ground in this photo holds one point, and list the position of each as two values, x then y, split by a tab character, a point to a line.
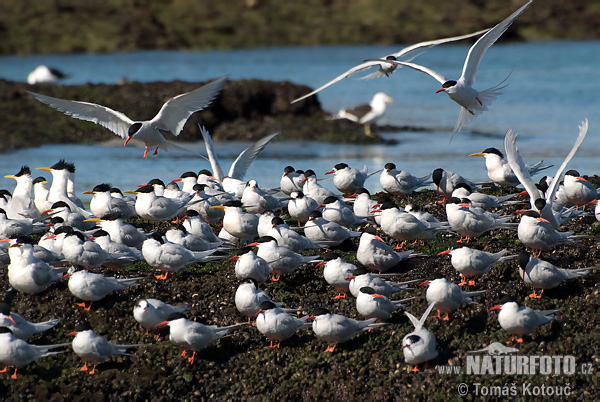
370	366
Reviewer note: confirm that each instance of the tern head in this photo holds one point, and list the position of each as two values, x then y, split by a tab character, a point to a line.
25	171
5	310
389	166
297	195
503	300
437	175
81	327
5	330
446	86
250	281
266	305
40	179
133	130
319	311
370	291
142	304
158	236
315	215
287	170
465	186
410	340
523	260
330	256
276	221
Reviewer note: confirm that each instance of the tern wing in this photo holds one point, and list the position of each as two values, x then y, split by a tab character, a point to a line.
518	166
212	156
242	162
437	76
425	45
482	45
115	121
356	69
176	111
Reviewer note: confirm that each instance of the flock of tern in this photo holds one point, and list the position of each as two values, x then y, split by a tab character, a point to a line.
201	217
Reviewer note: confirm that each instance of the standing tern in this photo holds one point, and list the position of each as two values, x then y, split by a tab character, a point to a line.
237	222
543	275
17	353
461	91
470	222
537	233
249	297
470	262
374	253
93	348
300	206
398	182
499	170
336	328
151	312
336	273
578	190
348	179
418	346
287	237
325	233
370	304
250	266
447	296
483	201
171	117
520	320
387	68
19	326
291	180
282	260
154	208
334	210
104	206
21	205
276	324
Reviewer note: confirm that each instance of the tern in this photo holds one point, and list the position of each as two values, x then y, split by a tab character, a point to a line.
314	190
19	326
287	237
361	278
104	206
17	353
250	266
366	114
447	296
249	297
282	260
81	251
171	117
93	348
256	200
499	170
370	304
348	179
446	181
151	312
236	222
325	233
374	253
402	226
121	232
537	233
480	200
120	255
336	328
336	272
578	190
363	204
300	206
291	180
418	346
334	210
276	324
21	205
470	262
385	68
520	320
470	222
461	91
193	335
153	207
398	182
193	223
543	275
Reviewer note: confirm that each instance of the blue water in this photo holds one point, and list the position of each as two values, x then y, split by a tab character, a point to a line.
553	86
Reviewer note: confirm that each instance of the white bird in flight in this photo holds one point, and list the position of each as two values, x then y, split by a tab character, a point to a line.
171	117
461	91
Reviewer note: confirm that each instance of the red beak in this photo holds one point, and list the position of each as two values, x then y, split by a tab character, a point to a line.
160	324
440	90
127	140
253	244
444	252
321	263
427	282
72	333
321	206
350	277
496	307
375	295
380	239
330	172
235	257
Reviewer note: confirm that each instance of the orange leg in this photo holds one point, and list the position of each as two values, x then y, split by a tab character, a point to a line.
464	281
415	369
275	346
162	276
183	353
93	371
84	307
471	283
446	318
14	375
340	296
84	368
275	278
520	340
330	348
145	152
536	253
4	369
191	359
536	296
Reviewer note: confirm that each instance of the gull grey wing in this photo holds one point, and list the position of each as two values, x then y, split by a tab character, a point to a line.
583	129
437	76
356	69
242	162
431	43
176	111
212	157
115	121
518	166
482	45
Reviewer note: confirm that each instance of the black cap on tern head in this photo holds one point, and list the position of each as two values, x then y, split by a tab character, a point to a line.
188	174
4	308
24	171
60	204
340	166
315	214
133	129
320	311
390	166
543	185
250	280
233	203
277	221
83	326
448	84
265	239
156	182
147	189
506	299
191	212
465	186
413	339
531	213
494	151
453	200
573	173
360	271
362	190
523	259
329	256
39	179
436	176
540	203
25	240
330	200
288	169
391	57
388	205
310	172
205	172
70	167
100	233
199	187
368	290
101	188
60	165
5	330
267	305
158	236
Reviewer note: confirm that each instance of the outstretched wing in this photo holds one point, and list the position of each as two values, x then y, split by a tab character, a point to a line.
212	157
518	166
437	76
115	121
426	45
242	162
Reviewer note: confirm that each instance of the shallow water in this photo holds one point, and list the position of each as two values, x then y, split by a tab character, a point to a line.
552	88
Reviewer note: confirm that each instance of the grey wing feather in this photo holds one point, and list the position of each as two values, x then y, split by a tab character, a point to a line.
428	44
212	157
115	121
242	162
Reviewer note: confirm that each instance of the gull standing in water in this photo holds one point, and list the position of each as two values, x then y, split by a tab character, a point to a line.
366	114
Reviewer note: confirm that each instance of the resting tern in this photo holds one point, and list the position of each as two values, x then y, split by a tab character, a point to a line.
498	168
170	257
470	222
287	237
376	255
193	335
13	228
483	201
21	205
537	233
325	233
363	204
370	304
179	235
336	328
402	226
120	255
336	272
151	207
19	326
520	320
237	222
300	206
44	75
250	266
366	114
104	206
171	117
347	179
81	251
93	348
543	275
92	287
121	232
29	274
472	102
265	222
447	296
249	297
387	68
151	312
361	278
334	210
202	203
276	324
17	353
291	180
193	223
578	190
418	346
40	193
282	260
314	190
256	200
470	262
71	217
446	181
398	182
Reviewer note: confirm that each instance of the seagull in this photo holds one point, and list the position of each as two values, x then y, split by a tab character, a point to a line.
93	348
171	117
91	287
447	296
370	304
193	335
418	346
336	273
44	75
385	68
19	326
366	114
17	353
499	171
520	320
250	266
461	91
400	182
276	324
472	262
151	312
336	328
543	275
